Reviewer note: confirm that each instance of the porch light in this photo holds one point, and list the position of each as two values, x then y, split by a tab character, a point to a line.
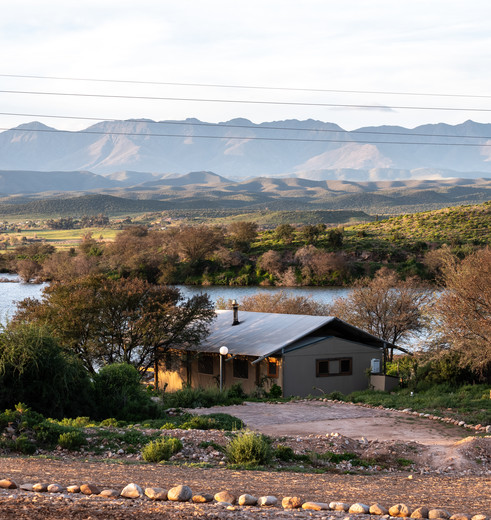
223	352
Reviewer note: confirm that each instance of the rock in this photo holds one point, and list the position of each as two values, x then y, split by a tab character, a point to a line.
488	428
438	513
400	510
109	493
459	516
26	487
55	488
8	483
180	494
480	517
202	498
89	489
339	506
156	493
420	512
267	501
225	496
247	500
40	487
132	491
377	509
291	502
315	506
359	508
73	489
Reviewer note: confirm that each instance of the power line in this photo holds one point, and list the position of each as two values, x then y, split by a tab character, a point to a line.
251	87
252	127
242	138
246	101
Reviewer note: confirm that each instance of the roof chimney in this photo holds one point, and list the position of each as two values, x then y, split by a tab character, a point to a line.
235	308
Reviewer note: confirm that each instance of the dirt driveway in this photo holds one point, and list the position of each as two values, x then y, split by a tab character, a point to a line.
316	417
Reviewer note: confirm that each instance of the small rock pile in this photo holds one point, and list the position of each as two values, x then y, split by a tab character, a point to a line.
231	502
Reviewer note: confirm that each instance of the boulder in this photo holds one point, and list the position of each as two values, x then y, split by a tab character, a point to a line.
202	498
359	508
90	489
132	491
8	483
247	500
40	487
291	502
459	516
26	487
55	488
480	516
267	501
315	506
73	489
109	493
401	510
339	506
156	493
420	512
225	496
438	513
377	509
180	494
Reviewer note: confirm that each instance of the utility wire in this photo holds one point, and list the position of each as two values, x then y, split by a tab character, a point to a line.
256	127
251	87
246	101
252	127
242	138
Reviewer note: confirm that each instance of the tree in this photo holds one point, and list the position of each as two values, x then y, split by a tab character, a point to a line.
35	370
242	234
280	302
386	306
107	321
195	243
284	232
464	310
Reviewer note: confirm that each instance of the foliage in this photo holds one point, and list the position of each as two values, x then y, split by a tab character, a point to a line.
386	306
284	453
464	311
106	321
72	440
275	391
200	397
249	448
161	449
118	393
34	369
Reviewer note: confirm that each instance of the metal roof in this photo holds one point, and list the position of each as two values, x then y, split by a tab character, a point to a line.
261	334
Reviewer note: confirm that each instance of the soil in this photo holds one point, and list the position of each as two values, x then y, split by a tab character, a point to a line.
434	480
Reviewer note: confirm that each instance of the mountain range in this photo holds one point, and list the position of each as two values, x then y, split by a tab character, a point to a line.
136	151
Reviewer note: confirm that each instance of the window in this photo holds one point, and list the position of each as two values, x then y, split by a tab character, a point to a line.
241	368
205	364
333	367
272	368
168	361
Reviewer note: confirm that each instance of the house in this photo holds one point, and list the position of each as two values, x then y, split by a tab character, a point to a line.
302	354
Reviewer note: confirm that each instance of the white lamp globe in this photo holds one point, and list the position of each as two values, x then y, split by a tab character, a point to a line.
223	351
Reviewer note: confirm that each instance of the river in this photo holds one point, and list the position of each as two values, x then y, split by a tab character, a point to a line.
13	290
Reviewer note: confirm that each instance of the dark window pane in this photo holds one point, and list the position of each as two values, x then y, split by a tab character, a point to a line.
241	368
205	365
272	369
345	366
322	368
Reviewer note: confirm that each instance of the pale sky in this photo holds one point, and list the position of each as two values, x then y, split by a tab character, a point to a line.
418	46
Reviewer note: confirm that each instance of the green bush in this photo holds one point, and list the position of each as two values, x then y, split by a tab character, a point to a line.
249	448
202	397
226	422
24	445
119	394
284	453
71	440
275	391
161	449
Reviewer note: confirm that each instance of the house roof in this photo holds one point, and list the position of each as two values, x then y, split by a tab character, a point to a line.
262	334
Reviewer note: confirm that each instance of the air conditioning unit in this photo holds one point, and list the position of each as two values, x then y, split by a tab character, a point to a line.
375	366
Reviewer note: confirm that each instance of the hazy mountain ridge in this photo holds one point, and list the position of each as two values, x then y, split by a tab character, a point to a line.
310	149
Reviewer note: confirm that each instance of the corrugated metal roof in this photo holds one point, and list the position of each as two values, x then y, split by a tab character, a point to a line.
259	333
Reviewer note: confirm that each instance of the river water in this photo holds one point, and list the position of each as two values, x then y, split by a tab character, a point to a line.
12	290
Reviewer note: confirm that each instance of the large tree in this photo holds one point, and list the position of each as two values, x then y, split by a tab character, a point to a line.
464	310
108	321
387	307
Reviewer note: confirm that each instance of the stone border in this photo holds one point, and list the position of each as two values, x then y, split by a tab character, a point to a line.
230	502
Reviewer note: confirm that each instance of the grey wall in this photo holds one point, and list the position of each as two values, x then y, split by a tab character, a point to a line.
299	367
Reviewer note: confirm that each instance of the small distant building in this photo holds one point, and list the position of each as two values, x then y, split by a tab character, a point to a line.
304	355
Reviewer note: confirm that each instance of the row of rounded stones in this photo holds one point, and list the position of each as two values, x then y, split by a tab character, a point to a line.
184	494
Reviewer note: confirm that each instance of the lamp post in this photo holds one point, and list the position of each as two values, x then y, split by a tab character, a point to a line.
223	352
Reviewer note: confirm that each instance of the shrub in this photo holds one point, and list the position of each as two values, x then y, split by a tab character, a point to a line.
71	440
249	448
24	445
275	392
161	449
284	453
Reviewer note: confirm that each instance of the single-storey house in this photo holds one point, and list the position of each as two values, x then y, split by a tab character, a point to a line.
301	354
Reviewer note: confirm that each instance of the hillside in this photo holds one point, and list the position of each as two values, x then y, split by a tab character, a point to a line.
241	149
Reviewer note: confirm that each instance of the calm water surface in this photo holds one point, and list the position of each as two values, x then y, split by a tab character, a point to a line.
13	291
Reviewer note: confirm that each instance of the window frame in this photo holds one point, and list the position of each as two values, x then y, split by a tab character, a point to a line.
329	360
270	362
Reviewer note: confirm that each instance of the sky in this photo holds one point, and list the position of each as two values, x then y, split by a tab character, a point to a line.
440	47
